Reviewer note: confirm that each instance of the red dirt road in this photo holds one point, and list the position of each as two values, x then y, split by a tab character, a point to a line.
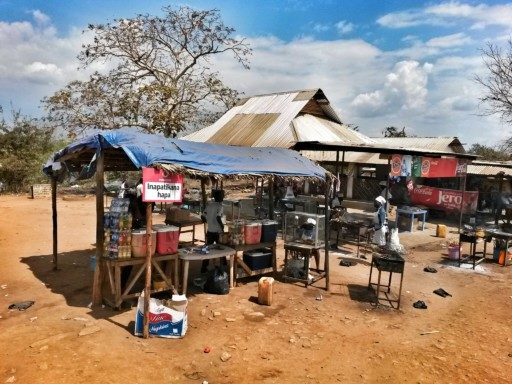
342	338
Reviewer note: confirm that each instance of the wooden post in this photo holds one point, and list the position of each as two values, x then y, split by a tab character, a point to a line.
147	286
328	185
462	201
203	194
54	221
271	197
98	271
336	172
342	171
386	193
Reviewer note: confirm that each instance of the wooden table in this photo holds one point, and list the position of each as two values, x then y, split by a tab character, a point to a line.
239	261
191	222
120	293
305	250
186	256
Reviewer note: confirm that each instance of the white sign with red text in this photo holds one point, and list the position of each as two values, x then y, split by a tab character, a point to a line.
160	186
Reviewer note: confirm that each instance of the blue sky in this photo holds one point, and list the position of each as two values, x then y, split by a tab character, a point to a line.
380	63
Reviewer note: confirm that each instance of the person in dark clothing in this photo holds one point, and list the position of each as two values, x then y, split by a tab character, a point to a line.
212	216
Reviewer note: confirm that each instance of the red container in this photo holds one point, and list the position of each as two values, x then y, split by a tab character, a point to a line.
139	243
167	239
252	233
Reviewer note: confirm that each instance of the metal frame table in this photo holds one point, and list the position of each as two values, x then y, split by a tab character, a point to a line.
472	239
214	253
507	237
411	214
357	231
384	263
306	251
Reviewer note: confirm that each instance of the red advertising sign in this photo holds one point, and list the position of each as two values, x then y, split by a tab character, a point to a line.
441	167
444	199
418	166
401	165
160	186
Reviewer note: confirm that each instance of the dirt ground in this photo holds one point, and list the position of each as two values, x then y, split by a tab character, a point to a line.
341	338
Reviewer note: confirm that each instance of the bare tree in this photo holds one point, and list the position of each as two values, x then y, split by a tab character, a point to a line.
498	81
160	77
394	132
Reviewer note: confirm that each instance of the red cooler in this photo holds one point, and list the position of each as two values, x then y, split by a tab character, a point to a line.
167	238
252	233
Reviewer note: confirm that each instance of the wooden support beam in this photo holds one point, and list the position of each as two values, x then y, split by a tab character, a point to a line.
147	286
97	297
54	221
328	186
204	197
271	198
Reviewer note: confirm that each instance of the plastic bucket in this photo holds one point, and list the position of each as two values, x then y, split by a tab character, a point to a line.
167	239
252	233
454	252
139	243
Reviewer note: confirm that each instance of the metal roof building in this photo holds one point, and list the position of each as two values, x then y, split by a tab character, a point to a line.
279	120
490	168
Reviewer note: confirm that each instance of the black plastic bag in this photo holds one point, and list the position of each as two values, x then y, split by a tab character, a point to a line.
217	282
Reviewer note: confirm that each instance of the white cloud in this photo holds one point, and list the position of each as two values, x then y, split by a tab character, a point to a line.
410	18
319	27
454	40
481	15
404	89
40	17
448	13
343	27
36	61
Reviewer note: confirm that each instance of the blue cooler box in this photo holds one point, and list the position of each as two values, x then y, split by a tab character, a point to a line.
268	231
258	259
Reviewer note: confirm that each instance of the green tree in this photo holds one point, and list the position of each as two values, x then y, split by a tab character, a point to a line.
25	145
394	132
496	153
160	75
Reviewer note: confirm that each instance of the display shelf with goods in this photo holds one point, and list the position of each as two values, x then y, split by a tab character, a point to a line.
117	226
304	228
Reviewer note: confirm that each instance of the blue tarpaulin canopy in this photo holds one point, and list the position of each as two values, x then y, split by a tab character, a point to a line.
128	150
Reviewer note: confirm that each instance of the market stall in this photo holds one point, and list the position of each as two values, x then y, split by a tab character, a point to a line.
126	150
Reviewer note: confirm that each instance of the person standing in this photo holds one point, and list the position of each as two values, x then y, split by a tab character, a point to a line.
380	221
212	216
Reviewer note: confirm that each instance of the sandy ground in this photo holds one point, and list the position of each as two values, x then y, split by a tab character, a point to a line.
342	338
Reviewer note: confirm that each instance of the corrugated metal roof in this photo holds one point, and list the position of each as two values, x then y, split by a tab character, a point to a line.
244	129
310	128
446	144
490	168
240	126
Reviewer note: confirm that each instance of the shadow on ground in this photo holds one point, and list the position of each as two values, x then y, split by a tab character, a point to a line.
72	280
